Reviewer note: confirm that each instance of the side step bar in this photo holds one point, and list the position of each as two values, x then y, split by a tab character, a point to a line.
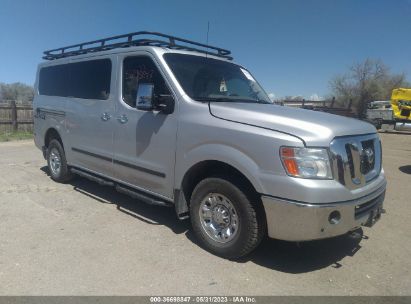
92	177
138	195
148	199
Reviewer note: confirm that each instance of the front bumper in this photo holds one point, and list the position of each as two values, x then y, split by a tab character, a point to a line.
298	221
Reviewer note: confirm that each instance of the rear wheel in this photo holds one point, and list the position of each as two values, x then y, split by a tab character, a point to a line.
57	164
227	220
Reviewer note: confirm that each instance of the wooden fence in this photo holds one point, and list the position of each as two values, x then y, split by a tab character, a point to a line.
15	117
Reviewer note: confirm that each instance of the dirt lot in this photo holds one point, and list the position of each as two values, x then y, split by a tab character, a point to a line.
83	239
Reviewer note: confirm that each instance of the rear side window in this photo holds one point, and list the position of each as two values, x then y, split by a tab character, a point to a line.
87	79
90	79
54	80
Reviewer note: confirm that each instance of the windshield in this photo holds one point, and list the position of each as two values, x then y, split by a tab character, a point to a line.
208	79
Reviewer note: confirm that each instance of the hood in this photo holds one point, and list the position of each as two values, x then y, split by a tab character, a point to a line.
314	128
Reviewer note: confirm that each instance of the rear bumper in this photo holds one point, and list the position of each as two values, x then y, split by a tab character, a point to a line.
298	221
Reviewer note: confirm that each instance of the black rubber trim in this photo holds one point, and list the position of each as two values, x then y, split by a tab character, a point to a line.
92	154
142	169
106	158
50	112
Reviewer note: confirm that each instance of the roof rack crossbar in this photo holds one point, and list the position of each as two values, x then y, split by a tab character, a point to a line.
104	44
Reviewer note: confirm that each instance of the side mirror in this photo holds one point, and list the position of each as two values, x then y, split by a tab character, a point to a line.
147	101
145	96
164	103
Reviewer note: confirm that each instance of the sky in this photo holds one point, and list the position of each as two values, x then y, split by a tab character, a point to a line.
292	47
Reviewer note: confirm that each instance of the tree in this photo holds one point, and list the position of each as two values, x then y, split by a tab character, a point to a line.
19	92
364	82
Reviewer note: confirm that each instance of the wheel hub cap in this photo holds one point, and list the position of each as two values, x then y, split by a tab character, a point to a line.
218	217
55	162
221	215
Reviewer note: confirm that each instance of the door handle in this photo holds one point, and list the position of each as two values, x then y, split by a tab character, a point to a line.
122	119
105	116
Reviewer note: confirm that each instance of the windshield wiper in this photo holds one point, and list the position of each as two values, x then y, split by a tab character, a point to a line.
219	99
227	99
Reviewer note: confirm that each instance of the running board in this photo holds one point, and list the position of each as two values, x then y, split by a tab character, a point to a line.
145	198
122	189
92	177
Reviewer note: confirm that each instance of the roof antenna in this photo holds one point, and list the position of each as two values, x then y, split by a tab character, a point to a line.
208	30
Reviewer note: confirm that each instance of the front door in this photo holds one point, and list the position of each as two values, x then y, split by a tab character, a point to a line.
144	141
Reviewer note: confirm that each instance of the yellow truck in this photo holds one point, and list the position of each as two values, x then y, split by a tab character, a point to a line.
401	104
395	112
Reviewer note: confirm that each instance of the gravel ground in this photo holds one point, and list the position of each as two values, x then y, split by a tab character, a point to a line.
85	239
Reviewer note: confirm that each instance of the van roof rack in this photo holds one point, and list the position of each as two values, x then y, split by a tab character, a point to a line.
134	39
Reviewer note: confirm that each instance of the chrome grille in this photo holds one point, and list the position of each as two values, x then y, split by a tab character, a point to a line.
356	160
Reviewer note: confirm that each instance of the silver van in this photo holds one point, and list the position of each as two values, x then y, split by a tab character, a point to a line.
174	122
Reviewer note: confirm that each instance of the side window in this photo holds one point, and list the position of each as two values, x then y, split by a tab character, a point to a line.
141	70
87	79
53	80
90	79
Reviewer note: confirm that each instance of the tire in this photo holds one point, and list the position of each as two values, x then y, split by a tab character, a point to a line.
57	164
227	221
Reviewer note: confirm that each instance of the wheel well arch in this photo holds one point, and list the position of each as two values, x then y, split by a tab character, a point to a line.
51	134
209	168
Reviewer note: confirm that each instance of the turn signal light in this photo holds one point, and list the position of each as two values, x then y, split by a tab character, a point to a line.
306	162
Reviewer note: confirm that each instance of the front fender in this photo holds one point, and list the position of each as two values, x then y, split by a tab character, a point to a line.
218	152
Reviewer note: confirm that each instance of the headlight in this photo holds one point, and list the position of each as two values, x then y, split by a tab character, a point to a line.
306	162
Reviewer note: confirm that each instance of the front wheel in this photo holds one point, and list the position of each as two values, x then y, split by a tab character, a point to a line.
226	220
